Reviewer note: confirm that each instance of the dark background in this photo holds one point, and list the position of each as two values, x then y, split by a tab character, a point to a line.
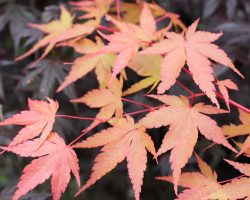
18	82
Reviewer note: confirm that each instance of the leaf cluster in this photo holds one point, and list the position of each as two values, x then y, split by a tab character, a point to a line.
115	39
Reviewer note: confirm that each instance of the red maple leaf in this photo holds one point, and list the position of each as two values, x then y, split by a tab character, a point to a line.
38	120
55	159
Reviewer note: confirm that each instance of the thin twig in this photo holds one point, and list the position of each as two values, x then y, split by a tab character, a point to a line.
87	130
80	118
137	103
231	102
225	181
184	87
105	28
118	9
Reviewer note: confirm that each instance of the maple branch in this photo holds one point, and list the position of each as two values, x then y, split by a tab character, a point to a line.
187	71
185	88
118	9
228	180
80	118
162	18
192	94
137	103
3	151
202	94
103	121
235	104
84	132
231	102
142	111
105	28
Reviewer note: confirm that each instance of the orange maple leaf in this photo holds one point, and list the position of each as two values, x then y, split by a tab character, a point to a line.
147	66
58	31
93	9
38	120
199	184
240	145
86	63
236	188
242	167
204	185
233	130
57	160
195	49
124	140
184	121
108	99
83	45
131	13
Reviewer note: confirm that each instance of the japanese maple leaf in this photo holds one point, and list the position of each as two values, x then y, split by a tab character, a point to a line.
199	184
55	159
233	130
184	121
124	140
38	121
242	167
204	185
147	66
224	85
127	41
93	9
84	45
131	13
237	188
58	31
88	62
107	99
194	48
240	145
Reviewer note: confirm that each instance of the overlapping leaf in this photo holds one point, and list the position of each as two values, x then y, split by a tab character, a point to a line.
224	85
127	41
204	185
131	13
233	130
124	140
240	145
147	66
58	31
55	159
38	121
194	48
88	62
184	121
93	9
237	188
107	99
